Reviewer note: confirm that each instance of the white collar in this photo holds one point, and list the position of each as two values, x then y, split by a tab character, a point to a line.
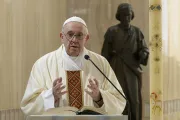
72	63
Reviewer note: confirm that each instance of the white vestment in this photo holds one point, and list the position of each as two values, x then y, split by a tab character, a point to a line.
38	96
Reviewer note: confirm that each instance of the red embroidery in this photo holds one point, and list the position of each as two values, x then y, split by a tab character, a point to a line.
74	89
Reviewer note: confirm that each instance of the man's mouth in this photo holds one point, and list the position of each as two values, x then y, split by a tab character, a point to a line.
74	46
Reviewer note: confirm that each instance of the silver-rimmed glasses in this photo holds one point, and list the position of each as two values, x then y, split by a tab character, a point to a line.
71	35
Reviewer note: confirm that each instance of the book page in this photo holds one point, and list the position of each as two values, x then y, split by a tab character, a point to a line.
61	111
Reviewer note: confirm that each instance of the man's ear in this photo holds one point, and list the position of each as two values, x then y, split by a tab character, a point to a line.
61	36
87	37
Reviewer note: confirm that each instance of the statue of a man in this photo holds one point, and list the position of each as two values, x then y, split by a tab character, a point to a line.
125	49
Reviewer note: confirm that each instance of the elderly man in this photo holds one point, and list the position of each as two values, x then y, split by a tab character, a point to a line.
125	49
64	78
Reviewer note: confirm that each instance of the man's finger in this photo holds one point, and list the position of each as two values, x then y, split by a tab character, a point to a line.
91	87
90	81
55	81
58	80
55	88
92	84
61	88
62	93
96	82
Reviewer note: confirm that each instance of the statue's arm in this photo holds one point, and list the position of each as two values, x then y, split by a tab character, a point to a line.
107	45
143	50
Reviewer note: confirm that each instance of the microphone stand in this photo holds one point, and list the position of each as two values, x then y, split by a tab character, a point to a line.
129	107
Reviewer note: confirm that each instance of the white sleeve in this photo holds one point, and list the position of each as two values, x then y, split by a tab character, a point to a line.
48	99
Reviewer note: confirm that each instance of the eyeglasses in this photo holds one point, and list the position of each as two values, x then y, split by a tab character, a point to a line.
70	36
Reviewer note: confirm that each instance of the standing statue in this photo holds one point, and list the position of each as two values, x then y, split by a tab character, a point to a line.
125	49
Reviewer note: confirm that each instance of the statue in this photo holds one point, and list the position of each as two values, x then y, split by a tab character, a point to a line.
125	49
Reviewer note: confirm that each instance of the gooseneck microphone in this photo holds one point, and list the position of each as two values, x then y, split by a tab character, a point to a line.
129	108
88	58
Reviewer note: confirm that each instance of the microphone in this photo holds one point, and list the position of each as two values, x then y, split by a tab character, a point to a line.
88	58
129	108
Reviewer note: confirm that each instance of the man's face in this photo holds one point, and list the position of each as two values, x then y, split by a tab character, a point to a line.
125	17
74	36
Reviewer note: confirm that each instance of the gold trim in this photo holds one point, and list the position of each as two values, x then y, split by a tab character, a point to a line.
82	89
67	88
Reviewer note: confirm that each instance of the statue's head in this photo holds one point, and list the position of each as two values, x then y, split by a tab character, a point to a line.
125	13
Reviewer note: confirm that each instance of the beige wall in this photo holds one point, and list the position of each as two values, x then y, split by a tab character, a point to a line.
30	28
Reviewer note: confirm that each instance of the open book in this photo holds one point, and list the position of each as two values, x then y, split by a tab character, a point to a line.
86	110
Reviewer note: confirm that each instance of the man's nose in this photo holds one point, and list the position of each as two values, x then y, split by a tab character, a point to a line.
74	39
